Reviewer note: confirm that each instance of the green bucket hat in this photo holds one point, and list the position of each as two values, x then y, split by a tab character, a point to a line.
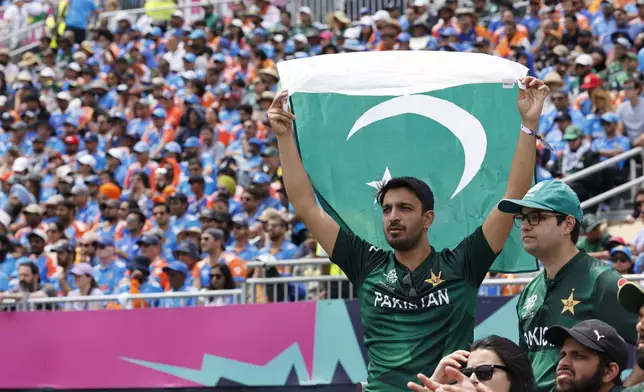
552	195
590	222
573	132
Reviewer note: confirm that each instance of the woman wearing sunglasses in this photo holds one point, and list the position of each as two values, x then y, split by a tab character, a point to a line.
492	364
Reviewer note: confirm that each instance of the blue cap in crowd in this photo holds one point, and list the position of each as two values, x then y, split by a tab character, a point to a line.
610	117
177	266
197	34
192	142
148	239
173	147
261	178
622	249
189	57
141	148
91	138
105	241
159	112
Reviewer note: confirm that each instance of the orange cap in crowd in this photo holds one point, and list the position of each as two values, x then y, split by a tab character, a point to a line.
110	190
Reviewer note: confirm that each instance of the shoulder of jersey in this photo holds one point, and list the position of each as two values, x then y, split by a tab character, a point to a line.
120	264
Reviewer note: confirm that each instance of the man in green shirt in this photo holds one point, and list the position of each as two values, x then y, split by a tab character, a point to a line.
594	239
573	285
417	303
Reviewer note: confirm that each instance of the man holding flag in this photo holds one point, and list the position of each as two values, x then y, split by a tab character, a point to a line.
417	303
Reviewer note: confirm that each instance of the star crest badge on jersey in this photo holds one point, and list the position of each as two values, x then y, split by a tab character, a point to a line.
434	279
569	303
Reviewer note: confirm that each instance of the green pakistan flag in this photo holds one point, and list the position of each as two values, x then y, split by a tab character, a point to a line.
449	119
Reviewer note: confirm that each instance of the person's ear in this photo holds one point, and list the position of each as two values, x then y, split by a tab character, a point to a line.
610	373
428	218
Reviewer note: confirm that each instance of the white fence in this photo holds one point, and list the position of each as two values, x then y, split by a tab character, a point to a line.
253	290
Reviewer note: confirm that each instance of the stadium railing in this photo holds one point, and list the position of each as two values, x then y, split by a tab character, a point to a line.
631	185
253	290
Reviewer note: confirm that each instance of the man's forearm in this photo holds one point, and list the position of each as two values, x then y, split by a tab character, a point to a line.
522	169
298	186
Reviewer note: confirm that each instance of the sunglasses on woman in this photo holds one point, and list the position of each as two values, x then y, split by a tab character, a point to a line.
483	372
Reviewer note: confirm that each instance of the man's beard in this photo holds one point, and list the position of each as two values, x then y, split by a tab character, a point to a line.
110	219
592	384
404	243
25	286
640	357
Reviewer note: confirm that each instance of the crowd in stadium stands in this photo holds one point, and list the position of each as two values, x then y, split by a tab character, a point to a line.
136	155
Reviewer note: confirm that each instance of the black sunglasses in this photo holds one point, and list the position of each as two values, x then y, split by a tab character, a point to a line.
409	285
483	372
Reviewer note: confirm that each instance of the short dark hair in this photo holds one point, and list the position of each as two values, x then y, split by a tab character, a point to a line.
419	188
32	266
576	230
513	357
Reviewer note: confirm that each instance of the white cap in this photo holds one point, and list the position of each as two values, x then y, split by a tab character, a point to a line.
79	54
20	164
421	3
24	76
5	219
74	67
381	16
115	153
237	23
87	160
366	21
64	95
178	14
189	75
38	233
584	59
305	10
63	171
3	100
47	73
300	38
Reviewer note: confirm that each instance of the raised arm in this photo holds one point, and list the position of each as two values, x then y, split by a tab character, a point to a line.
497	226
298	186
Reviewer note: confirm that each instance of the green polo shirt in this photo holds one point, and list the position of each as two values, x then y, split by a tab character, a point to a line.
407	334
591	247
583	289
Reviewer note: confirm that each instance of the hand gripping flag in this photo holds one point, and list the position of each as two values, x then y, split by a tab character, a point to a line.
449	119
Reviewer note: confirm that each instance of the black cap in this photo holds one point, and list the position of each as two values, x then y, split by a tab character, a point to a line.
65	247
563	116
595	335
217	234
139	263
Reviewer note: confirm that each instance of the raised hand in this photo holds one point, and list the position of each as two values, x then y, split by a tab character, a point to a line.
530	101
454	360
280	118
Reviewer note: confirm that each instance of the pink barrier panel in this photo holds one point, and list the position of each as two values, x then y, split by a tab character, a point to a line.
87	349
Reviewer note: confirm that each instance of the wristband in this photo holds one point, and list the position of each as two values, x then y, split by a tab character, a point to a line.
532	133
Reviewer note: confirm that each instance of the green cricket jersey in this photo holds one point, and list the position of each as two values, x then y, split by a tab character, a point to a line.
412	319
584	288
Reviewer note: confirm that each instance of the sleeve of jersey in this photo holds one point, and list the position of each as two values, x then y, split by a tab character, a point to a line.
353	255
609	310
522	343
475	256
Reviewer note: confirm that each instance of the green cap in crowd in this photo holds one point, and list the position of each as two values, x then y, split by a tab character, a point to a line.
552	195
573	132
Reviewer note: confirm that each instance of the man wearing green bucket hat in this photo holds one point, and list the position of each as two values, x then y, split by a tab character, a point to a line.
572	287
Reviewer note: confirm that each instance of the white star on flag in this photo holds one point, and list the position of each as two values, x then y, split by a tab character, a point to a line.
379	184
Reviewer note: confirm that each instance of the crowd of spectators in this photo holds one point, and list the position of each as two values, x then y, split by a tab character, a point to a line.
136	155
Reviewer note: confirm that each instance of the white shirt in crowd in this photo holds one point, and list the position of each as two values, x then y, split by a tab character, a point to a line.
633	118
85	305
